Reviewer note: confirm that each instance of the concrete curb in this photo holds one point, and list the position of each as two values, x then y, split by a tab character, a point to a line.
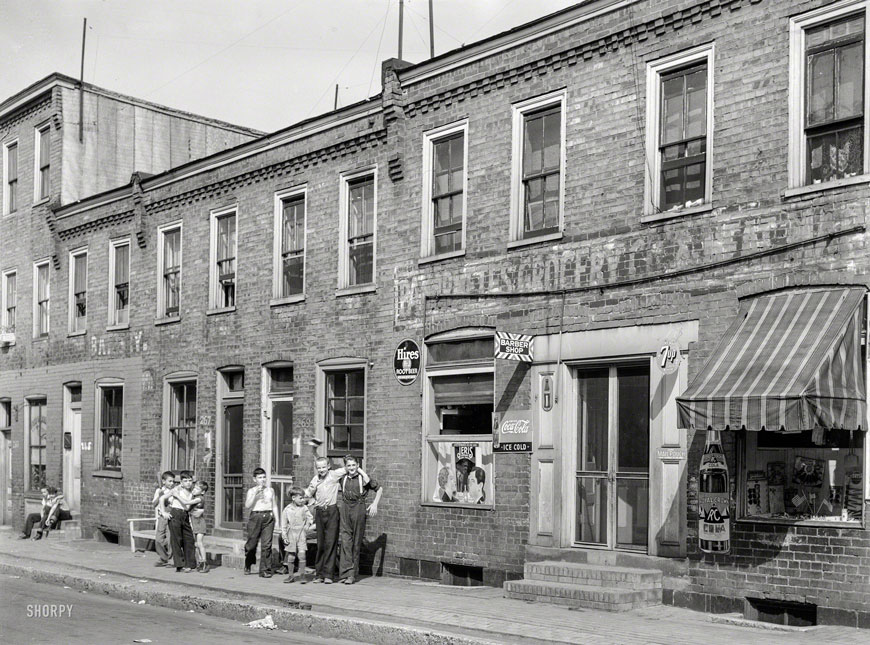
328	626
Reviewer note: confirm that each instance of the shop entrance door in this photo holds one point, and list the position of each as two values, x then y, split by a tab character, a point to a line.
611	501
72	458
5	475
232	475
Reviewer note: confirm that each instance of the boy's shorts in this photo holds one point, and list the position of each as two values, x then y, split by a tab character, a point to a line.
296	543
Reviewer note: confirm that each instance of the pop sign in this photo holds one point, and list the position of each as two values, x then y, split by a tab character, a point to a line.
406	362
512	431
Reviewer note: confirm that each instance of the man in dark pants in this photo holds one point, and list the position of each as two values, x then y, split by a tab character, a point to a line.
180	533
261	523
352	516
324	490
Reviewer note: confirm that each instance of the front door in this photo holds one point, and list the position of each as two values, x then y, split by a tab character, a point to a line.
5	475
611	505
72	459
233	476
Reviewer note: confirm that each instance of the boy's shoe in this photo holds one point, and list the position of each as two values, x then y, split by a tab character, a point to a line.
187	569
349	580
282	570
247	571
206	567
38	536
265	574
289	578
327	581
318	580
161	563
178	569
23	536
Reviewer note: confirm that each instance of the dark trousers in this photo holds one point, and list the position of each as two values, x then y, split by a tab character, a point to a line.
41	519
326	520
353	529
261	524
181	538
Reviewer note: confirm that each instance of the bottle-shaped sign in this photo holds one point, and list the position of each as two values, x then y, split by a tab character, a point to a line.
714	500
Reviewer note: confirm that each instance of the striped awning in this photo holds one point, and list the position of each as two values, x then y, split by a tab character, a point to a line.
791	362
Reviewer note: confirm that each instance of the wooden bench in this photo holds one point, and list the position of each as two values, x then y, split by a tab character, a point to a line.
144	533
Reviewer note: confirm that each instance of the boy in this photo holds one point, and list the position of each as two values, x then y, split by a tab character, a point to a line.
198	525
324	491
180	533
260	499
161	536
352	513
296	519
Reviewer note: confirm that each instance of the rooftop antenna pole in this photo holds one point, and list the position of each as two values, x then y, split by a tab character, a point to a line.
431	31
82	85
401	20
335	102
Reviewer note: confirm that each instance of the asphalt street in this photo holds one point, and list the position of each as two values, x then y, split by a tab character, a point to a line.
40	613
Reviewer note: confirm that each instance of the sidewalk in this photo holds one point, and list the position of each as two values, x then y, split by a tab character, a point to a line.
378	610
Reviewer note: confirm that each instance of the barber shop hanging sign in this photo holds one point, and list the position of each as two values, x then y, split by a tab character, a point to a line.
514	347
406	362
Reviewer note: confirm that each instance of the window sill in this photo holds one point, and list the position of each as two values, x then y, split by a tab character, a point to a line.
44	200
355	290
220	310
108	474
828	185
39	339
478	507
288	300
666	215
74	334
118	327
167	321
539	239
441	256
783	521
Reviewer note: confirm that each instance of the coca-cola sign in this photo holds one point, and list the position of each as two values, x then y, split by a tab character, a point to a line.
512	431
406	362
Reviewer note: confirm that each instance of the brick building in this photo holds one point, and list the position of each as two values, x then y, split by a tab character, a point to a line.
670	197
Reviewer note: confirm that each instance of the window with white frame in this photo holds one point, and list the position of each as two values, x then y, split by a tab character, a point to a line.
458	400
42	163
357	228
278	427
169	279
340	414
10	177
182	425
110	422
289	251
119	282
538	167
829	115
679	132
223	259
78	290
42	299
9	301
37	431
445	160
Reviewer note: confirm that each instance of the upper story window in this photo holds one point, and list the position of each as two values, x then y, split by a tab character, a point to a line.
10	177
358	222
829	112
289	266
223	265
42	163
444	189
9	297
679	132
169	261
119	282
78	291
42	301
538	167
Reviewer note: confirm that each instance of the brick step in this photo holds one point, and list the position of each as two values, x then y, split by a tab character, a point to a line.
593	575
220	544
582	596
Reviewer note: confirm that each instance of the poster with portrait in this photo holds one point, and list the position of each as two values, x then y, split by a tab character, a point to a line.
461	473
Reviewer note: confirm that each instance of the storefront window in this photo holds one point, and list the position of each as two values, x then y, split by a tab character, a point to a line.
458	461
803	476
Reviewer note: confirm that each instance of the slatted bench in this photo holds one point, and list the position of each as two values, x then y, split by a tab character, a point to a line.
142	527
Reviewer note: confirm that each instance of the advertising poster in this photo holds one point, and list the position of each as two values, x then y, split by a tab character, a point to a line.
512	431
462	473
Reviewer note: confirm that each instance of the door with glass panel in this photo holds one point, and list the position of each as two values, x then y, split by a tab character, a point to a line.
233	472
279	426
611	505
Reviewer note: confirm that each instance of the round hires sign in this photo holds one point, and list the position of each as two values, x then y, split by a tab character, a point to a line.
406	362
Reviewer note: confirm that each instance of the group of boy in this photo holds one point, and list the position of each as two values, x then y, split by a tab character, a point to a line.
51	514
338	497
179	508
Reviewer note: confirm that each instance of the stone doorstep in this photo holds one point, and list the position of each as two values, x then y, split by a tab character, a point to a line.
591	574
586	596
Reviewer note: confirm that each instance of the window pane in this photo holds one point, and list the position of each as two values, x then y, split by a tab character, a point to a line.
293	225
591	509
696	103
462	350
281	379
293	268
44	147
593	403
12	162
282	438
850	88
633	419
80	274
552	136
533	144
42	282
361	263
672	109
171	249
122	264
836	154
336	412
361	208
820	77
